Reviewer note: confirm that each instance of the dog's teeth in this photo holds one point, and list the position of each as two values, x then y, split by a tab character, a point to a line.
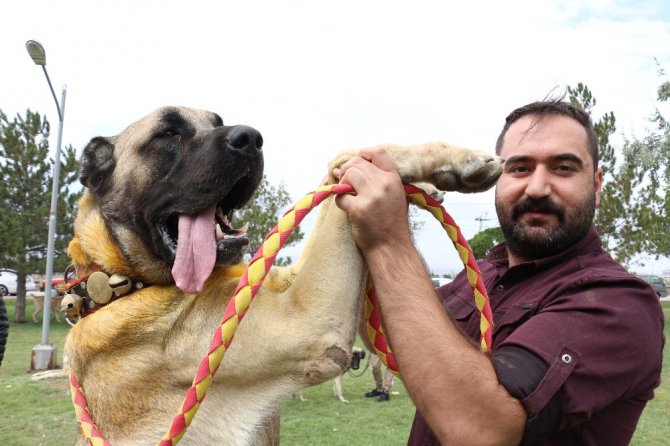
220	214
219	232
244	227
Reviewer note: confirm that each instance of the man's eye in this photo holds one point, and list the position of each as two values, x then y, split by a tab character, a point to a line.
518	169
565	168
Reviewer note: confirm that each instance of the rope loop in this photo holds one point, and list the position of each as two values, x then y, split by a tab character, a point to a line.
249	284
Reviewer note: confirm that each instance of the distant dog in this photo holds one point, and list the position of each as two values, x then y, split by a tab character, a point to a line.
356	355
155	219
38	298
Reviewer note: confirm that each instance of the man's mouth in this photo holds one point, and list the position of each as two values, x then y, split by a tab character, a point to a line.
537	211
536	215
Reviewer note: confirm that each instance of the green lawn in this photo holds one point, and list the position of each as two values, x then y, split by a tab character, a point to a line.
40	412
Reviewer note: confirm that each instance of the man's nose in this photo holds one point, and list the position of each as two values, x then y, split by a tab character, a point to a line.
539	184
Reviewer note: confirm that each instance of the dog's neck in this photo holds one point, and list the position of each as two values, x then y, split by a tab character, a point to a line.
93	289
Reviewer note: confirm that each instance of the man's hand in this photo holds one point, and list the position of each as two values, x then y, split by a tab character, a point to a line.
378	211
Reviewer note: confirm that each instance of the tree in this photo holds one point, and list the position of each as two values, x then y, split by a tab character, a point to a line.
263	212
633	215
25	199
485	240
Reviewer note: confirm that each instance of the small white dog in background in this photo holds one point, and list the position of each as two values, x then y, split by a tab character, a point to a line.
356	355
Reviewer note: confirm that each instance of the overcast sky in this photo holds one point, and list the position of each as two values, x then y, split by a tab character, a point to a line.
318	77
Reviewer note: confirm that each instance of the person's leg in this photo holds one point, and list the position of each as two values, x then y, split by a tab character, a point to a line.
386	388
376	364
388	379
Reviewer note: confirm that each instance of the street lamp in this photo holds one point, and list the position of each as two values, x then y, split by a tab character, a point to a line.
44	355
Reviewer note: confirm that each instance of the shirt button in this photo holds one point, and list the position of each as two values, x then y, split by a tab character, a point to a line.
499	288
566	358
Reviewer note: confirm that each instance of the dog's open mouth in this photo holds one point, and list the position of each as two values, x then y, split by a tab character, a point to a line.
199	242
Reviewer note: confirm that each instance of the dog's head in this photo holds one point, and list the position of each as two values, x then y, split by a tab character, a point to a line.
166	188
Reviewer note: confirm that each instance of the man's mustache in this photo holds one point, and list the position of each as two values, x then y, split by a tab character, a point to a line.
544	205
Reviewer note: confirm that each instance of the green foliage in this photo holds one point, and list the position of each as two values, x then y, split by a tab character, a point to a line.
25	198
262	213
633	218
485	240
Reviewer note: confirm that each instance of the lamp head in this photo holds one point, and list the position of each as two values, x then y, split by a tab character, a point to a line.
36	51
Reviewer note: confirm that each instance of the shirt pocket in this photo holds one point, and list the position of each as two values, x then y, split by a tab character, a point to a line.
505	321
462	311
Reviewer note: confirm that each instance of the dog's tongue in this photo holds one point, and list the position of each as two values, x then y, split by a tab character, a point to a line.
196	251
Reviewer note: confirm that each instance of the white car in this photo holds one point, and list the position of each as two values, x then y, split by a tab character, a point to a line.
8	282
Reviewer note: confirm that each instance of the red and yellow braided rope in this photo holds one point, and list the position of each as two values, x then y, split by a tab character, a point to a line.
372	314
251	281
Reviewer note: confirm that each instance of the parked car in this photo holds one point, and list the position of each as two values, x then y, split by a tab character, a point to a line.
54	281
8	282
439	281
657	282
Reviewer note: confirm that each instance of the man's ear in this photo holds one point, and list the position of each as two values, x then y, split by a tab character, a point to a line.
598	185
97	162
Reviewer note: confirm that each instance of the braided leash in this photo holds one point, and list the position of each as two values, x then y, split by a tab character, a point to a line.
372	314
251	281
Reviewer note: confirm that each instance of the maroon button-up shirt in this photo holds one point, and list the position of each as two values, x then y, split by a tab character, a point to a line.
598	328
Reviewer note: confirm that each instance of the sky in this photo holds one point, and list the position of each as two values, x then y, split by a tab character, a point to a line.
319	77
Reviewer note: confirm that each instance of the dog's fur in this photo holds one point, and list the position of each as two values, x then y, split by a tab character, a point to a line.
356	352
38	299
136	357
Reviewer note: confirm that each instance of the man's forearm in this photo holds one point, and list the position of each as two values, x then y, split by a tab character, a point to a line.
451	382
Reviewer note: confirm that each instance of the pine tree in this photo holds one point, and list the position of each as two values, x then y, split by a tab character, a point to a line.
25	198
633	218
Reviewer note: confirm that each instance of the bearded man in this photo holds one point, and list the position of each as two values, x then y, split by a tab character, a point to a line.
577	341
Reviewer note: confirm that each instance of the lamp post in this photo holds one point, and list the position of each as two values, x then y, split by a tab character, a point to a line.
44	354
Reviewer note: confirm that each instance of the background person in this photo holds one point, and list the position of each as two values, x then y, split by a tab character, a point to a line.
4	328
383	383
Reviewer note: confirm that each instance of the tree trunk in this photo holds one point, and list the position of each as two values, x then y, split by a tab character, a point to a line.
20	308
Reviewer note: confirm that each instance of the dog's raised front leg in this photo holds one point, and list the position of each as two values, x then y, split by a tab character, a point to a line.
445	166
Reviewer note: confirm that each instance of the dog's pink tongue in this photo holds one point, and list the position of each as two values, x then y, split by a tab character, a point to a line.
196	251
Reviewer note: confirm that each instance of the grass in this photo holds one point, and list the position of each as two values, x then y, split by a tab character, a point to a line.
34	412
40	412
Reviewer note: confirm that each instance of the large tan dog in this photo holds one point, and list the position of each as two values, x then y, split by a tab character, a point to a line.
157	210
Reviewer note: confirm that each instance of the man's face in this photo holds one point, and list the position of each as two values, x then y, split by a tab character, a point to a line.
548	191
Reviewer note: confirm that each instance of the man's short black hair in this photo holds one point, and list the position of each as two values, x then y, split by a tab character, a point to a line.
554	107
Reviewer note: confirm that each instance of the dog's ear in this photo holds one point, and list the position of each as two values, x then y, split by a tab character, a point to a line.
97	162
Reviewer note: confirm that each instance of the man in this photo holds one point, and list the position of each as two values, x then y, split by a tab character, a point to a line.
578	341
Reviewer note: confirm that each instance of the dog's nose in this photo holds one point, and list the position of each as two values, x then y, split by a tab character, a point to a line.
245	139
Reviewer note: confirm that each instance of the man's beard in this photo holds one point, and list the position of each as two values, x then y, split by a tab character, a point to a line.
532	243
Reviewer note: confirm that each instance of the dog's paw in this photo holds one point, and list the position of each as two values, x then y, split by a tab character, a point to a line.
465	170
430	189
